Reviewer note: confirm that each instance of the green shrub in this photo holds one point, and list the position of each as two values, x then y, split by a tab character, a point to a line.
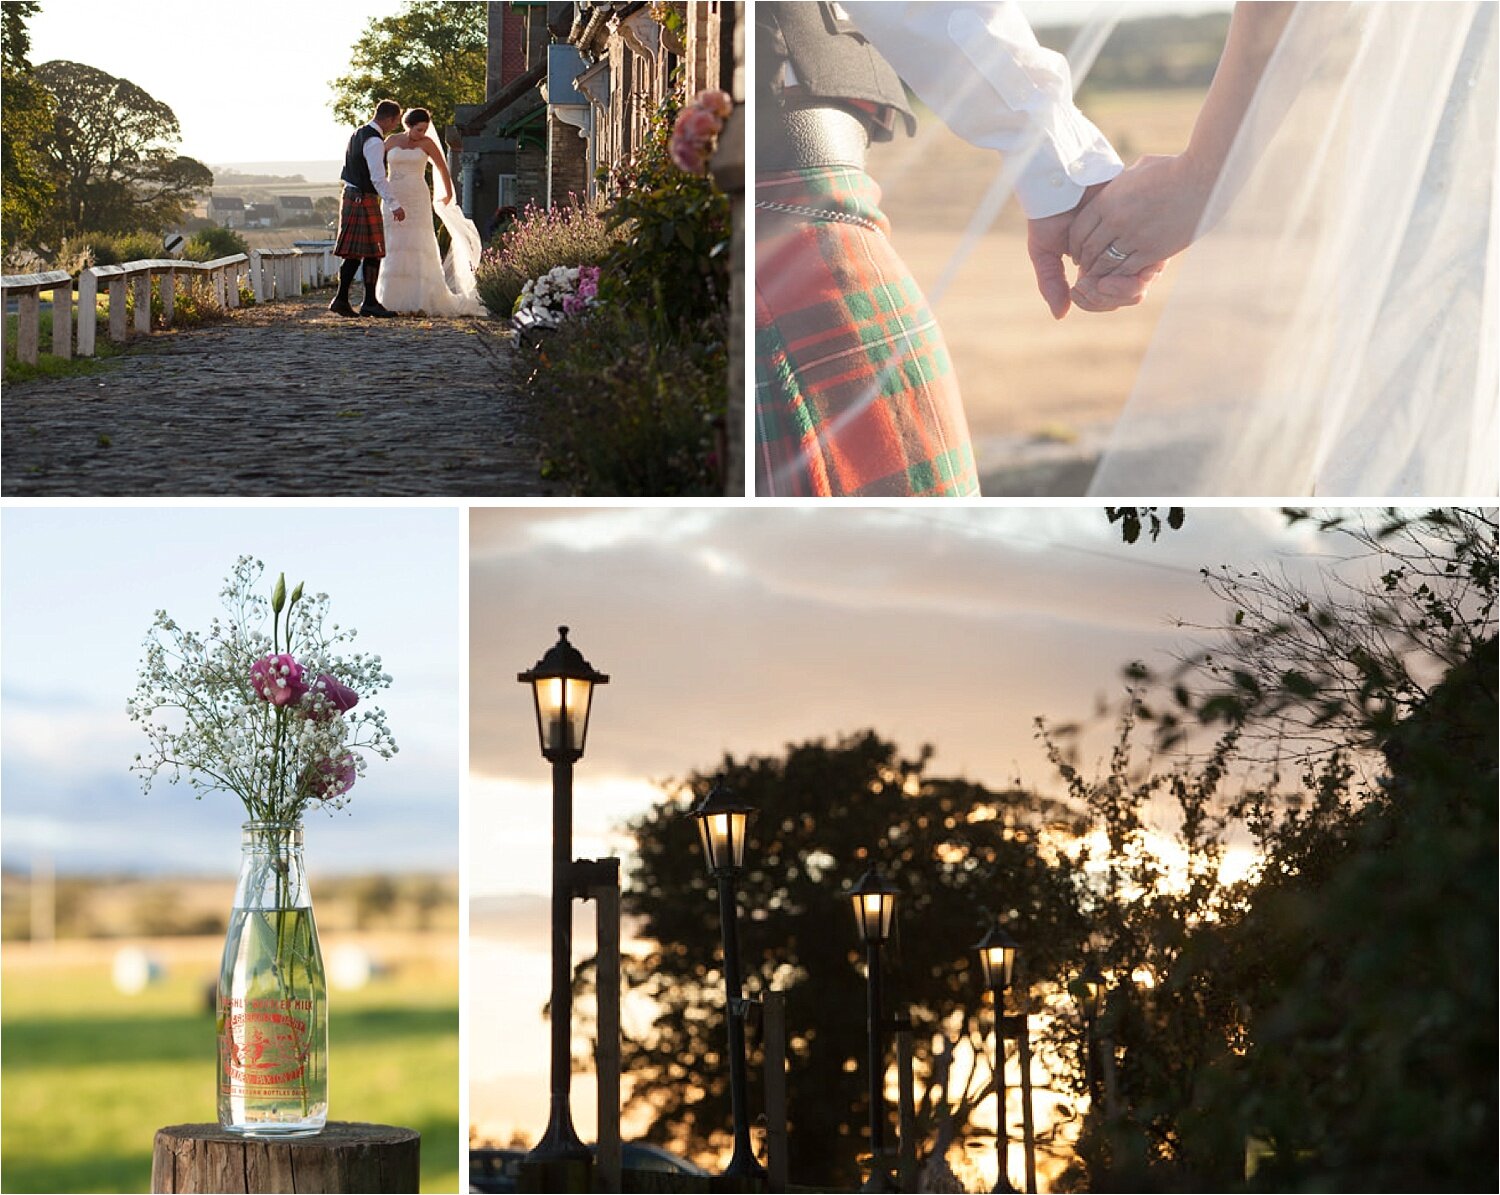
631	409
209	244
117	249
571	235
675	236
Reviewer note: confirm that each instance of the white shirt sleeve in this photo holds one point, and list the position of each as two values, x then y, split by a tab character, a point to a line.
980	68
375	158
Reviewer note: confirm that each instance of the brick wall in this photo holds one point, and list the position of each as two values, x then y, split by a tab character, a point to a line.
568	161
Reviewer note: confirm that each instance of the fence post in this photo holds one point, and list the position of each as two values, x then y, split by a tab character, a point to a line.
906	1112
607	1059
142	286
229	279
29	326
88	311
1028	1128
117	308
62	319
256	285
168	297
773	1015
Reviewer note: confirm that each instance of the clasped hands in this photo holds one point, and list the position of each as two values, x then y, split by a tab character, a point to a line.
1120	236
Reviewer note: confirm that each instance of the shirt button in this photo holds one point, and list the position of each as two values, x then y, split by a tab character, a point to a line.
1057	178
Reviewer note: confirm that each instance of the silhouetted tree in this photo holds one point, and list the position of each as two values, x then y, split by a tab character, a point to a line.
962	855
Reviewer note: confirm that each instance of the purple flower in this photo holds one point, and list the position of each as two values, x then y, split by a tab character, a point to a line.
278	679
329	779
330	697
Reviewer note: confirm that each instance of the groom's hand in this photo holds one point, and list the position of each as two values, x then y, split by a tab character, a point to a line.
398	214
1047	245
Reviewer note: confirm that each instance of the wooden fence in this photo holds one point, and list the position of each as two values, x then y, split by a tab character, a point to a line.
271	274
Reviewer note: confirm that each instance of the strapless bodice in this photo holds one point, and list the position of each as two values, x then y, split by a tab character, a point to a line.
406	163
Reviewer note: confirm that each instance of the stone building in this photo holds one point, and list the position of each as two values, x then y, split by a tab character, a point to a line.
571	89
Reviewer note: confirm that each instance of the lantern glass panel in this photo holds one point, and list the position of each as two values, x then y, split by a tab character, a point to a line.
723	837
873	911
997	962
562	705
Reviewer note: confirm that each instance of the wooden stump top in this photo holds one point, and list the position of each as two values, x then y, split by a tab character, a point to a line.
344	1157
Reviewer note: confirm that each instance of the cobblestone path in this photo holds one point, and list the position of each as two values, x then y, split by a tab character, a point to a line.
284	399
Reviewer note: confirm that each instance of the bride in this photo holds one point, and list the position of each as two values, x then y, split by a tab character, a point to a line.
415	278
1332	330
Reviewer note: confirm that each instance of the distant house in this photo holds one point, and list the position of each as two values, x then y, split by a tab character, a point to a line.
260	215
228	211
296	209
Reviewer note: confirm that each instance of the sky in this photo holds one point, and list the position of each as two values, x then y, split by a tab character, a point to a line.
78	594
249	83
272	102
742	631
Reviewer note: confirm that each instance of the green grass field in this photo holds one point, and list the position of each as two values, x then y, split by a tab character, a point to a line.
90	1075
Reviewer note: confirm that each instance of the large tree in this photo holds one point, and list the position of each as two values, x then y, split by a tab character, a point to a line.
428	55
25	183
113	155
961	855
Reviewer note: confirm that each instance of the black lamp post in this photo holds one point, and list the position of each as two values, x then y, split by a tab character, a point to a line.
721	825
874	899
1092	990
997	961
562	686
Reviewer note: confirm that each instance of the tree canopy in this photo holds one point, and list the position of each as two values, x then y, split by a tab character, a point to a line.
961	855
112	155
428	55
25	183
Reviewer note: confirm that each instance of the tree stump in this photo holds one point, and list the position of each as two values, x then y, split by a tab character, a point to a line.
343	1157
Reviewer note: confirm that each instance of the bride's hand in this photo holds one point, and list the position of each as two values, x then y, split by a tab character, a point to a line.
448	198
1149	213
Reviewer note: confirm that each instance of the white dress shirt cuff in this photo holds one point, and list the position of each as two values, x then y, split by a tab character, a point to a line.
1047	185
375	159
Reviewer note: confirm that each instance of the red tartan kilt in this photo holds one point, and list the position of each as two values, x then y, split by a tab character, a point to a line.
855	394
361	228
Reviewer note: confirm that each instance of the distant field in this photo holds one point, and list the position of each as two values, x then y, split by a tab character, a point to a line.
1022	373
90	1074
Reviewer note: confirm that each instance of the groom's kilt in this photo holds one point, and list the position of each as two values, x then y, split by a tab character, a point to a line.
361	229
854	391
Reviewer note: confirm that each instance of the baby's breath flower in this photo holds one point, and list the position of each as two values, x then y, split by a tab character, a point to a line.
197	702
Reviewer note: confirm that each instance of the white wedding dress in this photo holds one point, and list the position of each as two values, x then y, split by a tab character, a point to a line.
414	278
1333	331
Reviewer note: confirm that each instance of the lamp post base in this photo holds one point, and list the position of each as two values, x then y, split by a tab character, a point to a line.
744	1165
560	1143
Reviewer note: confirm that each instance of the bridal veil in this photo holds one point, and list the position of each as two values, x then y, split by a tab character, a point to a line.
1333	330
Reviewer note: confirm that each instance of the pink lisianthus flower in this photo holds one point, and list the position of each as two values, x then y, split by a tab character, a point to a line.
329	779
330	696
278	679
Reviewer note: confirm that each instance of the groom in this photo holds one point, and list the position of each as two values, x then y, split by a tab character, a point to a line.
361	240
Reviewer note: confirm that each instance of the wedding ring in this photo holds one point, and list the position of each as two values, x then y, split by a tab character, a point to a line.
1114	254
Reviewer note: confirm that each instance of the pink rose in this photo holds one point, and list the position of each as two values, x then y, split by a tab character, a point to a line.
329	778
720	103
687	156
330	697
278	679
698	124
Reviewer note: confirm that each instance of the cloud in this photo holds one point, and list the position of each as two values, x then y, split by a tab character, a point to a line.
742	630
